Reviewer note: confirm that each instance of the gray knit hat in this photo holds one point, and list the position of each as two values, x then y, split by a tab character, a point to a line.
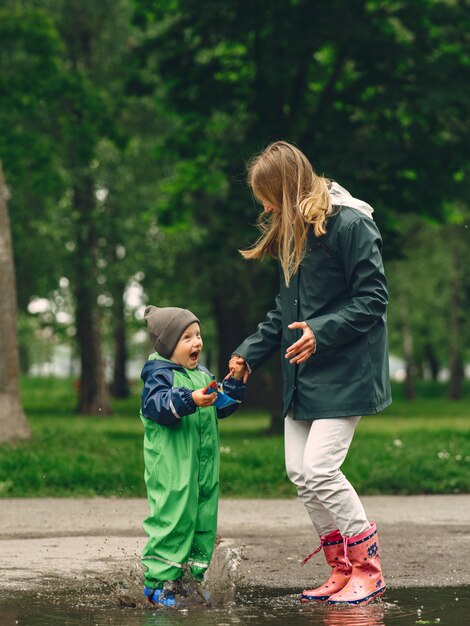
166	325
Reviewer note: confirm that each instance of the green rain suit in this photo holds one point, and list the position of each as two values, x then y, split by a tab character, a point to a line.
182	458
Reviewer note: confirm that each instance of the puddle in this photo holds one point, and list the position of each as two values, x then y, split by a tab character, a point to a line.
117	598
448	606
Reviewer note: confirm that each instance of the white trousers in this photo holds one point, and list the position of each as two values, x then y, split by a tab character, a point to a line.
314	452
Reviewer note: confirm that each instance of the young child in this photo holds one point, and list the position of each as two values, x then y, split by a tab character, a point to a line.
181	453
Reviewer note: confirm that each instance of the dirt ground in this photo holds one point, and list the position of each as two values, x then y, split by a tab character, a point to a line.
425	540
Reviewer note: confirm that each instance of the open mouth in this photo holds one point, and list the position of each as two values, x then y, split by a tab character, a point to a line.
194	356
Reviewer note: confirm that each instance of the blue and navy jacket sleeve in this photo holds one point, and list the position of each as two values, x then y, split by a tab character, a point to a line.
161	402
236	390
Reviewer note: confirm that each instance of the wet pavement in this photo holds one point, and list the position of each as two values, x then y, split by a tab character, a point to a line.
70	561
425	540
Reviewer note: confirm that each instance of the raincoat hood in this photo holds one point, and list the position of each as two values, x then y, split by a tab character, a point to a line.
341	197
155	363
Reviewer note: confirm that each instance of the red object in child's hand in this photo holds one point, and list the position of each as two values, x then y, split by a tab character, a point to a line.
223	399
211	387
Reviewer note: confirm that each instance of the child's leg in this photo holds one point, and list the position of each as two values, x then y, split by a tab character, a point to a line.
326	448
296	434
204	536
170	527
171	475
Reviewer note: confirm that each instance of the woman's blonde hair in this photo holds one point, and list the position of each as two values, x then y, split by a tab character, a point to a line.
282	177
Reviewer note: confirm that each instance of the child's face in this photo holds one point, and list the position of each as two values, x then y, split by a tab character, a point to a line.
189	347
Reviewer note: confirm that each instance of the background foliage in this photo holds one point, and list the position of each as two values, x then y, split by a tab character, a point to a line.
413	447
125	129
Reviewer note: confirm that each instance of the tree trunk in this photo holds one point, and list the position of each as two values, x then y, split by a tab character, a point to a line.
13	423
408	349
432	361
230	331
120	384
265	385
456	320
93	392
457	373
273	389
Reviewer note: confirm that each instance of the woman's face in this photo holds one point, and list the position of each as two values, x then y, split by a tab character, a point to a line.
267	205
267	208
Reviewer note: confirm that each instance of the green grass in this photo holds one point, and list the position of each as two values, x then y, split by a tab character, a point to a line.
414	447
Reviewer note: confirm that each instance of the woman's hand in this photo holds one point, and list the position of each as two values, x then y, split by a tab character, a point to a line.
204	399
238	368
304	347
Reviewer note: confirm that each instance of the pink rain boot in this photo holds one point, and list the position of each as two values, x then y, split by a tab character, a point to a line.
366	582
332	545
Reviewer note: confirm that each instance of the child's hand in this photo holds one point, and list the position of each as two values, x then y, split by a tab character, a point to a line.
204	399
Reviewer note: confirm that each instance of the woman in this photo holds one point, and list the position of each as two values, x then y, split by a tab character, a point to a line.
333	293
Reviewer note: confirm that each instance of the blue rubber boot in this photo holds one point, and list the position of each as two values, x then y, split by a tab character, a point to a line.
160	597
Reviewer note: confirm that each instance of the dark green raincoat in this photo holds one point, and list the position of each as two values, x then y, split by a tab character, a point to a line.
340	290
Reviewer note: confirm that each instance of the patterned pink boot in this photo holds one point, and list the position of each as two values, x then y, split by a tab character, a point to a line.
366	582
332	545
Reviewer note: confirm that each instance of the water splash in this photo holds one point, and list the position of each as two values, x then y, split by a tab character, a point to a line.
223	576
124	585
